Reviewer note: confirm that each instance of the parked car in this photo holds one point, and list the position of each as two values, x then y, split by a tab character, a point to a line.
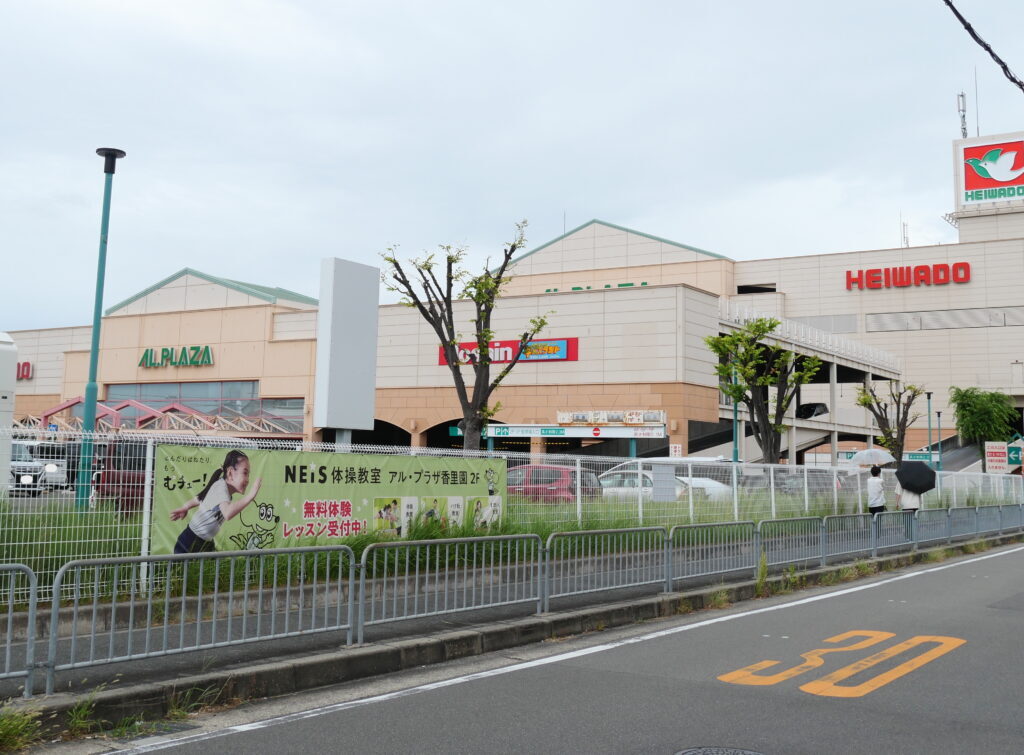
711	467
26	472
120	473
552	483
709	489
623	485
51	456
819	481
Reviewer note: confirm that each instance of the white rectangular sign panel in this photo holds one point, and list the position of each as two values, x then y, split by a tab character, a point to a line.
996	461
989	171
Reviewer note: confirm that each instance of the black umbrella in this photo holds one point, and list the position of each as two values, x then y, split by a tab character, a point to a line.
916	476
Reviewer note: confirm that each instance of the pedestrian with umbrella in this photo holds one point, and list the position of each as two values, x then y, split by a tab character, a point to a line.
876	496
915	478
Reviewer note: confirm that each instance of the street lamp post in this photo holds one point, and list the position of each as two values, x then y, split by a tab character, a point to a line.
928	395
939	466
735	424
110	157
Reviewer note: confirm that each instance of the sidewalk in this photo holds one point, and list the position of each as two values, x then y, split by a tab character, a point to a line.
153	687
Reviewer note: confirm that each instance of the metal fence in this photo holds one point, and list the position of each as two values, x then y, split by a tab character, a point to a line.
697	550
848	534
405	580
110	610
598	560
19	623
48	523
105	611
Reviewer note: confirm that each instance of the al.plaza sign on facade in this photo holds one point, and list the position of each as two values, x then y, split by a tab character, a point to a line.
177	356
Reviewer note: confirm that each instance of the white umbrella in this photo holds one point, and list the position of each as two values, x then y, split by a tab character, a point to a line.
874	456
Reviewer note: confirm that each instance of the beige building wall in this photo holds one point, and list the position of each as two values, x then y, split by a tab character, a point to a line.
192	293
416	410
601	256
645	335
815	287
241	340
45	349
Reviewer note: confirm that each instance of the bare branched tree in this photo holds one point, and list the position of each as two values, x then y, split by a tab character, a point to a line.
434	288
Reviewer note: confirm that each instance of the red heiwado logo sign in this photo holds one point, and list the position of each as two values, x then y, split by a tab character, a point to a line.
994	166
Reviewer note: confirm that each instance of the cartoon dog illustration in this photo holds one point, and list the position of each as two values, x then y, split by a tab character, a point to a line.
257	535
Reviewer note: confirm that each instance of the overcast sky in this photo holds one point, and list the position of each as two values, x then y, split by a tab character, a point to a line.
263	136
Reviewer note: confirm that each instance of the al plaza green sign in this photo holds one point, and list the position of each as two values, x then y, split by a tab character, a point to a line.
177	356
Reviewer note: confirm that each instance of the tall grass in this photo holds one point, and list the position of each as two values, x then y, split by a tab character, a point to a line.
55	532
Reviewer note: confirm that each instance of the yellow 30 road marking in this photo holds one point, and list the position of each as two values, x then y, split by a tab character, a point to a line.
829	686
812	660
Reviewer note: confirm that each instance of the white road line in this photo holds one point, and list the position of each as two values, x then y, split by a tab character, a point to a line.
163	743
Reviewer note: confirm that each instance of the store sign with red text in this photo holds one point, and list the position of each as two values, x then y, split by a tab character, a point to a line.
989	170
906	276
501	352
24	371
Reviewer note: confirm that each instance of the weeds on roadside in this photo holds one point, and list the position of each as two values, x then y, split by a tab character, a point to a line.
18	728
866	568
81	716
131	727
792	580
761	588
847	574
183	704
828	578
718	599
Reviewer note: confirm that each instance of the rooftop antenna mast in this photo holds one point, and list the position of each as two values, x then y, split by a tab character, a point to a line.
977	105
961	105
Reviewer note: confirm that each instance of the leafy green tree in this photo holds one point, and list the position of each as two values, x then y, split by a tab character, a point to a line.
892	413
763	377
434	288
982	415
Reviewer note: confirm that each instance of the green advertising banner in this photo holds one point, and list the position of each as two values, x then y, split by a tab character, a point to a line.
247	498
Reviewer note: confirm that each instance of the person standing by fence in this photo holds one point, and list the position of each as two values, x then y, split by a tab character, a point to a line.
908	502
876	492
876	496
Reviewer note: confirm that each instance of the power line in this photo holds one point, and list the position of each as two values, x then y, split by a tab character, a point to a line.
986	46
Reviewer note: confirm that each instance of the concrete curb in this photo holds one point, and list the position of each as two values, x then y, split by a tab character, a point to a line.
154	700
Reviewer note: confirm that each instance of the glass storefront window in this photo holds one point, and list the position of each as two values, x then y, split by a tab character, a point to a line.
149	392
283	407
240	389
122	392
235	398
203	406
200	390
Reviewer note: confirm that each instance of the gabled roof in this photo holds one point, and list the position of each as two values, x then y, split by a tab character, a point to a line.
266	293
620	228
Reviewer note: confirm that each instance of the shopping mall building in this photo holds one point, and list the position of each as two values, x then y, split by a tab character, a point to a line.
622	366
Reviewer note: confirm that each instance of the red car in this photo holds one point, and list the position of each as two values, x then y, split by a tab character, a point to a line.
121	474
552	483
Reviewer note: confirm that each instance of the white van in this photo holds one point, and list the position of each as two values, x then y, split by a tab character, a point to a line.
51	458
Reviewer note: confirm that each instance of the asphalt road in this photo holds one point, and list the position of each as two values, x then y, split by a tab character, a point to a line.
923	660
